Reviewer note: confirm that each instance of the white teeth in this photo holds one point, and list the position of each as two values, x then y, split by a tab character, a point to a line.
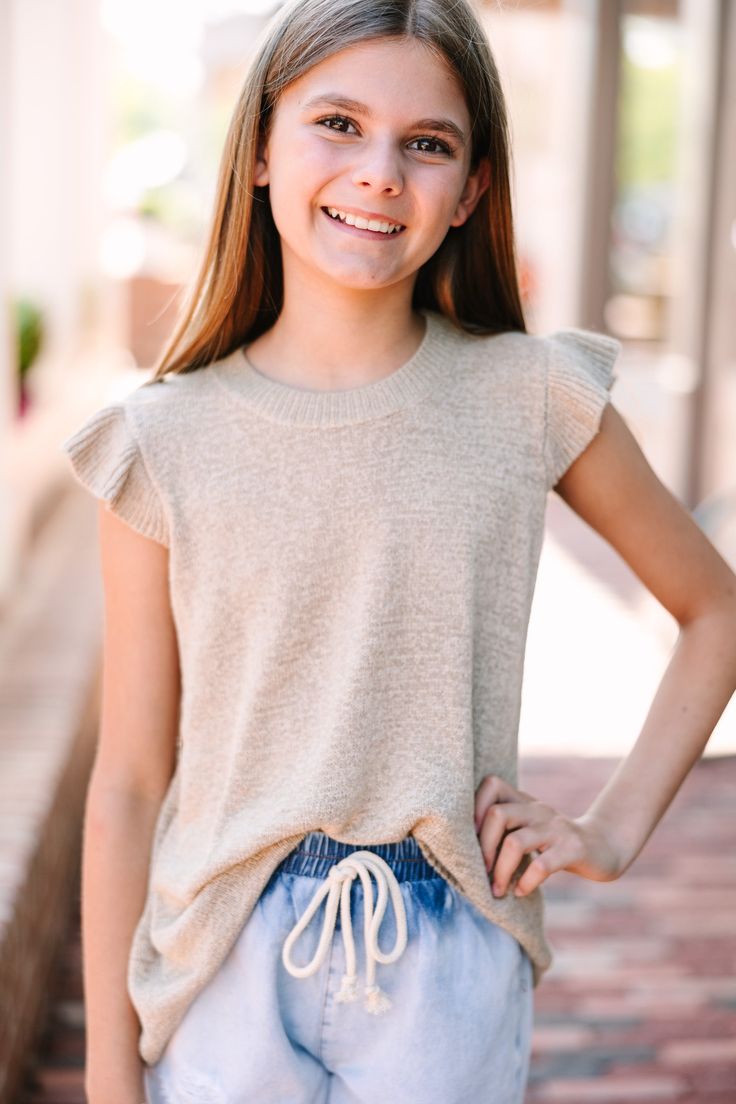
364	224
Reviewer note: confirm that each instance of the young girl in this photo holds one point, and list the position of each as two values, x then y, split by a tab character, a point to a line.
322	523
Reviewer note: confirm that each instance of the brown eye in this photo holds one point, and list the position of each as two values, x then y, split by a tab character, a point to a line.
444	148
332	119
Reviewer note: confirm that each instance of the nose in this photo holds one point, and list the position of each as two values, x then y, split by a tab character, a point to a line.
379	169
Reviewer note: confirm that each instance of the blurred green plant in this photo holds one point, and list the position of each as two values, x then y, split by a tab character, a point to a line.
30	330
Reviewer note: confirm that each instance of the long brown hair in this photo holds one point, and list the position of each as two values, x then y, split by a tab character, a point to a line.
471	278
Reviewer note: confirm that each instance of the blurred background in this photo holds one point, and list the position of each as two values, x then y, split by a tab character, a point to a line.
623	116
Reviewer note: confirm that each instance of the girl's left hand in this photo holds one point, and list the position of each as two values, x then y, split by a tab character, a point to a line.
519	824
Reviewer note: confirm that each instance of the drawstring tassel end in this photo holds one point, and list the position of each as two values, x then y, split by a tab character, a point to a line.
376	1001
348	989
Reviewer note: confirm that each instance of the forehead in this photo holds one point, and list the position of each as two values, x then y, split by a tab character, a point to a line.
392	76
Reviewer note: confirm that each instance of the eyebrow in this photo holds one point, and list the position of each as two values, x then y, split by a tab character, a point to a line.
334	99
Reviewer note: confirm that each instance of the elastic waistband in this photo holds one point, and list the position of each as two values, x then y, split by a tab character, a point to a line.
318	852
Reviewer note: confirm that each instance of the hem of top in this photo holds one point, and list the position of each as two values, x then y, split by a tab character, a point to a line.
278	402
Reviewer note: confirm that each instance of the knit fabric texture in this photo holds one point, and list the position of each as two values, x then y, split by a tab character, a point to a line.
351	577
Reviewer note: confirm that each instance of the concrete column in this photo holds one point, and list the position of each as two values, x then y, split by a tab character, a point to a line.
7	345
602	81
58	115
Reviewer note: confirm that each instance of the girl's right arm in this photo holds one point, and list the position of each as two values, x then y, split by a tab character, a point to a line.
134	762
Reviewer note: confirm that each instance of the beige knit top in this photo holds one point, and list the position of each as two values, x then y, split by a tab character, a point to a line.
351	575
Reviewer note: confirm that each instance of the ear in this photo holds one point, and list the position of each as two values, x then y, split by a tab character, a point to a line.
475	186
260	170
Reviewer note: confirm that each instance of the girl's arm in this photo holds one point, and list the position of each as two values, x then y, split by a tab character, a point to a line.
133	766
613	488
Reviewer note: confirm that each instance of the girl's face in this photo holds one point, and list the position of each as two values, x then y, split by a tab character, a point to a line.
399	152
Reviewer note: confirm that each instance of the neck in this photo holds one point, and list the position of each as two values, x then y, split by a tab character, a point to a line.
334	338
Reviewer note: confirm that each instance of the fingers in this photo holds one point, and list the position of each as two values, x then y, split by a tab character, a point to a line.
515	846
538	870
512	824
499	819
553	845
491	791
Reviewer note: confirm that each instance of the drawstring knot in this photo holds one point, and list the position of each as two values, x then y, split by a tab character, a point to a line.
338	885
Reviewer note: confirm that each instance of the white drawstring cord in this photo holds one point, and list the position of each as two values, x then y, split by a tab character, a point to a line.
338	882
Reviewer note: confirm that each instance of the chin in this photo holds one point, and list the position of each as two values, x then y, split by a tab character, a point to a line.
360	279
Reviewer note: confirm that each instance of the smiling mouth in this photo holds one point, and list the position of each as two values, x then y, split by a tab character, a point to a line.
394	231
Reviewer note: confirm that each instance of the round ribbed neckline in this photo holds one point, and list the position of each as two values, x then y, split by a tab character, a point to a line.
289	405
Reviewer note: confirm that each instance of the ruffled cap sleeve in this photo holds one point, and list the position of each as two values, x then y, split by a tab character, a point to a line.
579	379
106	460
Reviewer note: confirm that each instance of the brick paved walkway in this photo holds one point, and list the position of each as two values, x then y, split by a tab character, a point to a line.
640	1005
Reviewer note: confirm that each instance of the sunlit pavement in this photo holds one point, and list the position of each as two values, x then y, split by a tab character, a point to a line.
597	647
640	1003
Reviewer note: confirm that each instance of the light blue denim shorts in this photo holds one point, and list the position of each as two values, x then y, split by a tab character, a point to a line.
309	1007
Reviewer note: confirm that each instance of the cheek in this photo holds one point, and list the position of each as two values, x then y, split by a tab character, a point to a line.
442	196
313	161
304	171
